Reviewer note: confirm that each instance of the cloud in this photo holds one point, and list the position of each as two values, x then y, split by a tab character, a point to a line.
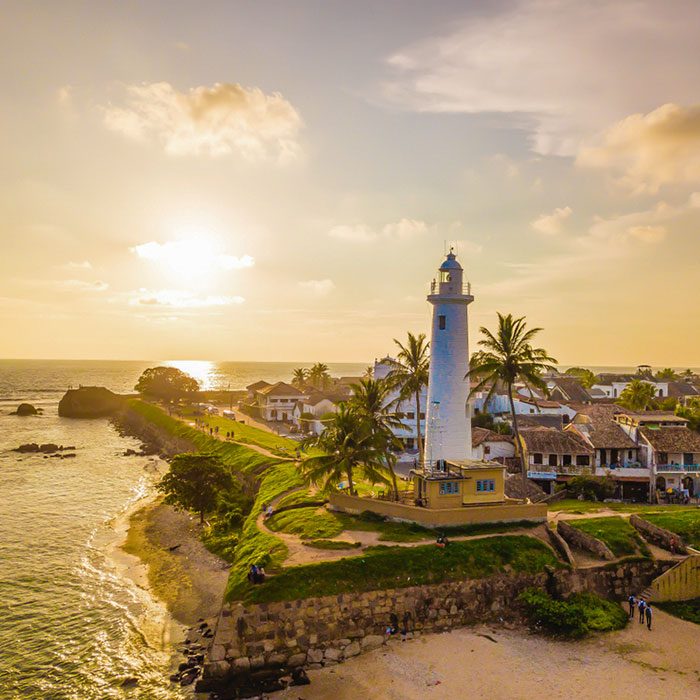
648	234
82	286
560	70
551	224
190	255
215	121
82	265
650	150
318	287
402	230
180	299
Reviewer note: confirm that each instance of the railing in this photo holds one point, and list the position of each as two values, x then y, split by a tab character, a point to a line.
466	288
677	467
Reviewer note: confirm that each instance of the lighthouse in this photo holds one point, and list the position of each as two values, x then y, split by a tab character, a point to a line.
448	420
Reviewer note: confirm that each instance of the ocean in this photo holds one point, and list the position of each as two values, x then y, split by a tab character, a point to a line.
73	626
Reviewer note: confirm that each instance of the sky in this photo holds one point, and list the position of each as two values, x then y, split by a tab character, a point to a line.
278	180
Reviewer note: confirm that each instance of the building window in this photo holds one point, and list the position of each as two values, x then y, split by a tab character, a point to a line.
487	450
662	458
411	415
485	485
422	415
629	454
566	460
537	458
442	322
582	460
447	488
688	459
409	443
552	460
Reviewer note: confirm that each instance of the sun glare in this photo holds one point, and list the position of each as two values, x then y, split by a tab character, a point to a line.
201	370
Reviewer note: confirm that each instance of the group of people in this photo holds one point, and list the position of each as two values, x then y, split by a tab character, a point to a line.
256	574
642	607
393	627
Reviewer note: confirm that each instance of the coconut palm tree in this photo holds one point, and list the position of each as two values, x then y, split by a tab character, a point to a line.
300	377
318	376
348	447
371	399
638	395
666	375
409	374
369	372
508	357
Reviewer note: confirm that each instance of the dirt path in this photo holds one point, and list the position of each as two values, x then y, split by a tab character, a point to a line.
632	664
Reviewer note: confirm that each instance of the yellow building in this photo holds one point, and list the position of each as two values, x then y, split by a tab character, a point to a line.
459	483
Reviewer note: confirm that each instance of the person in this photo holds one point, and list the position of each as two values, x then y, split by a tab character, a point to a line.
632	602
672	544
261	575
299	677
441	541
647	612
253	574
268	512
640	606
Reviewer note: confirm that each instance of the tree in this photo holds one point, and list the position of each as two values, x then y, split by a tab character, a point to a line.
195	481
167	383
409	374
507	357
638	395
585	376
318	376
666	375
370	400
347	447
300	377
644	372
369	372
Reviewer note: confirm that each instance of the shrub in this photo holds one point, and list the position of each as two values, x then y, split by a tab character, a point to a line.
592	488
574	617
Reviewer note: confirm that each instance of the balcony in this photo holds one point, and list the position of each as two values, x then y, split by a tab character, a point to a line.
466	288
678	467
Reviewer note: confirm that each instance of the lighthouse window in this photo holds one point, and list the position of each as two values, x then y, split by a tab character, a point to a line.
449	487
442	322
485	485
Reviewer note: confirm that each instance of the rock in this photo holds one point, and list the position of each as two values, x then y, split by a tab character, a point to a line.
352	649
129	682
89	402
315	656
296	660
26	409
277	660
332	654
371	641
217	653
188	677
257	662
27	447
48	448
241	664
218	669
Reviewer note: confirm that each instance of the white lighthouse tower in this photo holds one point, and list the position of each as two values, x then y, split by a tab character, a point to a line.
448	421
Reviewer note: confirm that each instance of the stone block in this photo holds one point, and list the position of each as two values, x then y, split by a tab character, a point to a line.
257	662
241	664
217	653
296	660
277	659
332	654
315	656
217	669
352	649
372	641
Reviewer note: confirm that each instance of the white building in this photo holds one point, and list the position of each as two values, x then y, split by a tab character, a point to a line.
276	402
448	434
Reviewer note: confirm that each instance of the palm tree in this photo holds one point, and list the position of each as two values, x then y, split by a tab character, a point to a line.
318	376
299	377
409	373
347	446
666	375
638	395
508	357
371	399
369	372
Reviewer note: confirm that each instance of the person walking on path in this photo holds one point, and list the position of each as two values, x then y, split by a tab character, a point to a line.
641	605
632	602
647	612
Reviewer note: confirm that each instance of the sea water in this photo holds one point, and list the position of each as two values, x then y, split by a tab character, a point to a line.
72	624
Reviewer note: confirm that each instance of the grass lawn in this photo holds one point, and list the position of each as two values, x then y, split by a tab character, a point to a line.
617	533
399	567
247	433
582	507
685	523
332	544
685	609
308	523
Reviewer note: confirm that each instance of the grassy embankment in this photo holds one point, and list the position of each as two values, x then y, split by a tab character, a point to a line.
246	545
685	523
685	609
616	533
573	618
398	567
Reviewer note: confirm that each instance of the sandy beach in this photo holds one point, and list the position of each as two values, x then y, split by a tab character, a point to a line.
181	572
499	664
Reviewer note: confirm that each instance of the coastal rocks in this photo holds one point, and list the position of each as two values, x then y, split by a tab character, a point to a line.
47	449
26	409
89	402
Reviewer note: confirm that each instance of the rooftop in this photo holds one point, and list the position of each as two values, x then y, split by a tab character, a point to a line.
480	435
280	389
672	439
551	441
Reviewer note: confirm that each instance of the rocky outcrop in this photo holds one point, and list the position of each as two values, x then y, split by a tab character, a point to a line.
155	440
26	409
47	448
581	539
271	639
658	535
89	402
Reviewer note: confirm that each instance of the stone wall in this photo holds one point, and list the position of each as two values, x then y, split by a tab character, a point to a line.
155	438
581	539
658	535
559	543
324	631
